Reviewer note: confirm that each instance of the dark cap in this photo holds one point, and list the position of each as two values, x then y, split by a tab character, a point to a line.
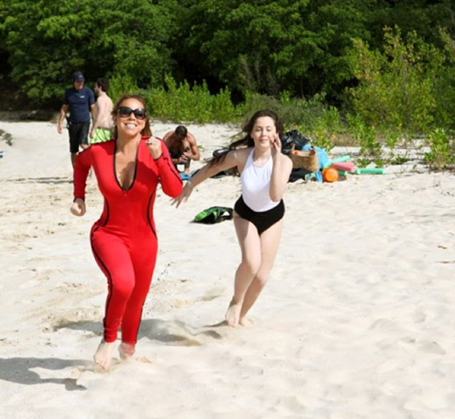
78	76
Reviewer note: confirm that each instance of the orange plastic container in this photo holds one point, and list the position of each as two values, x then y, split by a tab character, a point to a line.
330	174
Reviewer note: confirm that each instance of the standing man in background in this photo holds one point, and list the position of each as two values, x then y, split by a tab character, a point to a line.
79	101
102	113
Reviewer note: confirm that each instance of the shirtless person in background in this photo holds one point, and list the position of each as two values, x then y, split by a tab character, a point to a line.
182	146
102	119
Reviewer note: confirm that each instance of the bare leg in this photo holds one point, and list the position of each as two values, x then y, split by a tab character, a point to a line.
270	240
73	158
126	350
250	246
103	354
232	315
187	166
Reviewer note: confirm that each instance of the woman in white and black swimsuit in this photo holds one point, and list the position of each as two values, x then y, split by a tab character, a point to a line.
264	173
255	204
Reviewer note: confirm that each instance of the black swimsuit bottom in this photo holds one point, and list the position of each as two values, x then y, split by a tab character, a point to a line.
261	220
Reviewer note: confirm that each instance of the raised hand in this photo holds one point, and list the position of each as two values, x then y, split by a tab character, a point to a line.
154	146
276	145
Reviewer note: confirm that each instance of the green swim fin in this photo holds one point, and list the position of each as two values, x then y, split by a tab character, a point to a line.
213	215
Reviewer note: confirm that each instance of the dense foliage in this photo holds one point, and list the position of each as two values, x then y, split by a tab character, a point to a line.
46	40
329	66
301	46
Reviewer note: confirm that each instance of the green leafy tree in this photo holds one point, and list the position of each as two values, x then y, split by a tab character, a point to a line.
300	46
133	37
396	88
423	17
444	84
265	47
41	56
49	39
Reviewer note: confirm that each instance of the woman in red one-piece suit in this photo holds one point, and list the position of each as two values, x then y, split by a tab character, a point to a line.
124	243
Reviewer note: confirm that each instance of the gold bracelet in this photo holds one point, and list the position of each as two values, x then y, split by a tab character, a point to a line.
190	184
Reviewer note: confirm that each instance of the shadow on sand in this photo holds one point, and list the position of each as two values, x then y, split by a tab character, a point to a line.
170	332
19	370
46	180
176	332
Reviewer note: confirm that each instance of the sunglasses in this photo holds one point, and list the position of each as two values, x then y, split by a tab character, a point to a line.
125	112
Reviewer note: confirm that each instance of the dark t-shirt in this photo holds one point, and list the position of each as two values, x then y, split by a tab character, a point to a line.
79	103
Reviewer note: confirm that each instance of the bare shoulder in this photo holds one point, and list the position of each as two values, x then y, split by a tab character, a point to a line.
241	154
286	160
285	163
103	99
239	157
167	135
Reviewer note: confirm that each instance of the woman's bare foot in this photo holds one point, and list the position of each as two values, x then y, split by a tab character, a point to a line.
103	354
126	350
233	314
246	322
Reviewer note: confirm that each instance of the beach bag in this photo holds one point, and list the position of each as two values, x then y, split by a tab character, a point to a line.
292	139
304	159
214	215
301	174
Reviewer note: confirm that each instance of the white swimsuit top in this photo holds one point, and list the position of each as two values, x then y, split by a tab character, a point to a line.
256	184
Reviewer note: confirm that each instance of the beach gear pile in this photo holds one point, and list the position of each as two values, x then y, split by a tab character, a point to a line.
313	163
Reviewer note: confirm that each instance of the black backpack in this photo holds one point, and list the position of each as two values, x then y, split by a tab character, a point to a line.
295	138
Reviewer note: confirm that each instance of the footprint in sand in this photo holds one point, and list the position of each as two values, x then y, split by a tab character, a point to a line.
142	360
212	295
180	303
179	333
431	348
419	317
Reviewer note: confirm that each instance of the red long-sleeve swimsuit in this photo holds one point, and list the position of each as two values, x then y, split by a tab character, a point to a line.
124	240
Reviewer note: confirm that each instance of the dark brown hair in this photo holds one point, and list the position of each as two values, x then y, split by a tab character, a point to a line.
247	127
147	131
103	83
181	132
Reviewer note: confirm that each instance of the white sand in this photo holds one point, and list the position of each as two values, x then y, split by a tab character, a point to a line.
357	320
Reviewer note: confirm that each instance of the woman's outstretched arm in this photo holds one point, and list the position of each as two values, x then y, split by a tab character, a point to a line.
233	159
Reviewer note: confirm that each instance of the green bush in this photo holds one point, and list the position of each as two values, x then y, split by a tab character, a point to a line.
396	88
120	85
183	103
366	137
442	150
326	128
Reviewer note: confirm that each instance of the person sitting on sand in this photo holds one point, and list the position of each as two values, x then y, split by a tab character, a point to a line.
124	242
183	147
258	213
